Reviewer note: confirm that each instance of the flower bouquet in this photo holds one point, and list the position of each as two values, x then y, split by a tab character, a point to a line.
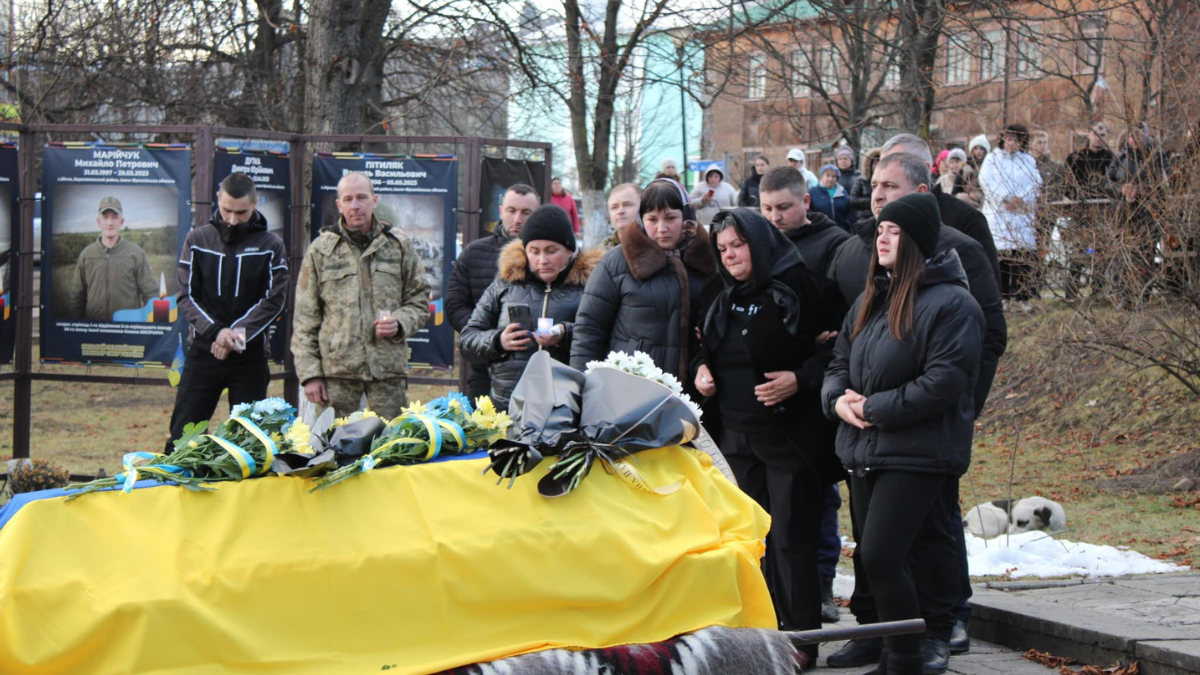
625	405
445	426
243	446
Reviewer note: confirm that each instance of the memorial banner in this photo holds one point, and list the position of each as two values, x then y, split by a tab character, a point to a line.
114	218
271	172
418	196
497	176
10	220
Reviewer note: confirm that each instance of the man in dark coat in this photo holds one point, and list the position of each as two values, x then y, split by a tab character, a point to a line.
475	270
233	282
784	201
895	176
1089	166
956	213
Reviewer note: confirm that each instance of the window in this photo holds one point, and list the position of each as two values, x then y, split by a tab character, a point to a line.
891	78
758	77
991	57
829	70
801	72
1089	51
958	62
1029	56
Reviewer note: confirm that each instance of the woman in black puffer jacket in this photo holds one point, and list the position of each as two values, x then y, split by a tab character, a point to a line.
542	272
646	293
901	384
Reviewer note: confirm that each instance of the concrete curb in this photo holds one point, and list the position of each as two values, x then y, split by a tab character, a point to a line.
1154	619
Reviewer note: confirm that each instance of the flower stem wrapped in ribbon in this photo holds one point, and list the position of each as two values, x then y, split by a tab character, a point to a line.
446	426
243	446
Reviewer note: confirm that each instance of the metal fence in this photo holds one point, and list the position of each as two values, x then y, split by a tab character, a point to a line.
469	149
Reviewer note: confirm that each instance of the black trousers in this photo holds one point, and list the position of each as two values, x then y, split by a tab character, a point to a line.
770	470
479	382
205	377
905	553
1020	273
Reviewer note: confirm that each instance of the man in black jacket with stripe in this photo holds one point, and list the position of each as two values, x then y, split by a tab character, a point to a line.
475	270
233	282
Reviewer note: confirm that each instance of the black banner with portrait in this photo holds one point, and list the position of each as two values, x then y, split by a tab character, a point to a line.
418	196
497	176
114	218
271	173
10	219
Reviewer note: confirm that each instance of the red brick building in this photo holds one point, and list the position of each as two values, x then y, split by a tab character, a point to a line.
1053	68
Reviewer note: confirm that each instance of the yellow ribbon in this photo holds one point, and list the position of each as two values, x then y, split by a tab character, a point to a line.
629	473
243	458
267	443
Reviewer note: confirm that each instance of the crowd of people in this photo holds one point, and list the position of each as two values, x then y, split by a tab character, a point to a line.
839	326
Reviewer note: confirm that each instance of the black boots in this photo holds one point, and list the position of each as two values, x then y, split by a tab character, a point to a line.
960	638
899	664
856	653
829	609
936	655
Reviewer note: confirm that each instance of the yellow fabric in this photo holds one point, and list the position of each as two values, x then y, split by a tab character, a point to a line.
416	569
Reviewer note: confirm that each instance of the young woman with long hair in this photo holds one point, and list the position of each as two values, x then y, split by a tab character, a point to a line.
901	385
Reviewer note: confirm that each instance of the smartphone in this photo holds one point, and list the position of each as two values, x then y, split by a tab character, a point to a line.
519	313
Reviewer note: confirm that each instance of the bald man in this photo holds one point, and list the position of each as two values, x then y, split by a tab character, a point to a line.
362	293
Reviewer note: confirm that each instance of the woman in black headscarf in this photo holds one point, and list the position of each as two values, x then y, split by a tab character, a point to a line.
762	373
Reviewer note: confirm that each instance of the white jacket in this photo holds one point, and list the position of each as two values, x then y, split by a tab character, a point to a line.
1005	175
724	197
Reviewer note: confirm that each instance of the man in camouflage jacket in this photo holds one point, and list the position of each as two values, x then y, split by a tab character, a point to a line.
344	346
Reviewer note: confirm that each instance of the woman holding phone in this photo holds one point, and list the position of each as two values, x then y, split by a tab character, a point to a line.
532	303
901	385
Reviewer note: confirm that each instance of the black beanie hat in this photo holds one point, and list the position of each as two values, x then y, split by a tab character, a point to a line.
551	223
918	216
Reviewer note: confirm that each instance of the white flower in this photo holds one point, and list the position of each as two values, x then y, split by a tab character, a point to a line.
238	409
642	365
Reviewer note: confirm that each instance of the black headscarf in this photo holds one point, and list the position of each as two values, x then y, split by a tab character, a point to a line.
772	254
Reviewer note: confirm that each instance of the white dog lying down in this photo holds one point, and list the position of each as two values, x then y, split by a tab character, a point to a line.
1032	513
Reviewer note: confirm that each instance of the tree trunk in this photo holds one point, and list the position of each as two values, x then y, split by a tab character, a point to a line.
343	50
920	29
595	222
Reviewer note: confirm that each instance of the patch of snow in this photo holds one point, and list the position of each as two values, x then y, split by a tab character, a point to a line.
1038	554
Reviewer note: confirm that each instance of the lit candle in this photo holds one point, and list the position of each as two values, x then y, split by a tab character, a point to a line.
162	306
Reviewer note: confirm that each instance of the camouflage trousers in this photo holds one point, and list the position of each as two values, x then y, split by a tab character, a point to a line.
385	397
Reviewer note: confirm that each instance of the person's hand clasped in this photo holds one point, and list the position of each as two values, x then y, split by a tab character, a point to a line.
225	343
387	327
781	386
514	338
849	407
704	382
826	336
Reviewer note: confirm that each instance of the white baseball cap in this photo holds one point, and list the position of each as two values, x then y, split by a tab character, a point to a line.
795	155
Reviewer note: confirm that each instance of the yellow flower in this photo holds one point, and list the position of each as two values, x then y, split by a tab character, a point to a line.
193	444
353	417
297	437
484	405
416	408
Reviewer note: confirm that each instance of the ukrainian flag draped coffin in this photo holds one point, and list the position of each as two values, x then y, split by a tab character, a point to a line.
407	569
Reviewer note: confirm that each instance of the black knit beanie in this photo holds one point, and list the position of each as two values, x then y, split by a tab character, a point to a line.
918	216
551	223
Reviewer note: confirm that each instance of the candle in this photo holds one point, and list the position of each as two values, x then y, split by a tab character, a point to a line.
162	306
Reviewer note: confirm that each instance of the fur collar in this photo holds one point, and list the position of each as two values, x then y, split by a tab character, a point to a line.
514	266
646	259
